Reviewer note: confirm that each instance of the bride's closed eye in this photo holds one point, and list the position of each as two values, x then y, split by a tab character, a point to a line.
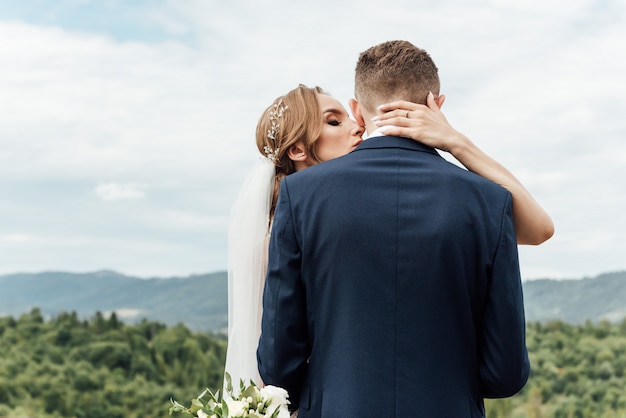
334	122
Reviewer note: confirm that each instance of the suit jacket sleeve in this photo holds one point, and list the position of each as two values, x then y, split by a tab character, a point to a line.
282	353
504	367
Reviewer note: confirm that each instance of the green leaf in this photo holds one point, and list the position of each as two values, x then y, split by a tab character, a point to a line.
229	382
176	407
217	397
276	412
211	405
253	392
196	405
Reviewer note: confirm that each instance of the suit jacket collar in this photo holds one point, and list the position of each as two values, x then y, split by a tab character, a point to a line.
378	142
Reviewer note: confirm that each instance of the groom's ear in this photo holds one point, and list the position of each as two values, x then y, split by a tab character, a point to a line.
355	108
439	100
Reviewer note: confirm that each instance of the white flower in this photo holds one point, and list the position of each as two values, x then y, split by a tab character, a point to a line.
263	402
278	399
235	408
282	413
276	394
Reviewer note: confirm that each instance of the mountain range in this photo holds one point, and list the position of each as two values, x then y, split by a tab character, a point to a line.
201	301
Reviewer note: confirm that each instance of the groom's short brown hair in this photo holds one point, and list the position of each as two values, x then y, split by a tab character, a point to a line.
394	70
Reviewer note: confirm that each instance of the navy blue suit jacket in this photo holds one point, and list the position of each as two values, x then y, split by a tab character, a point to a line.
393	288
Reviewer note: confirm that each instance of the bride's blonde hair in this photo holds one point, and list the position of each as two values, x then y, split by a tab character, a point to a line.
292	118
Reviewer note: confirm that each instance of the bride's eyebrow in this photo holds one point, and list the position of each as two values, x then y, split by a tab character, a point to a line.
333	110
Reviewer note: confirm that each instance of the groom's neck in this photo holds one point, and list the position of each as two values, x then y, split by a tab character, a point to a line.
367	116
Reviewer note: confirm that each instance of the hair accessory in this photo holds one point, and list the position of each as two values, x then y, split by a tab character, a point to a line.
276	112
271	154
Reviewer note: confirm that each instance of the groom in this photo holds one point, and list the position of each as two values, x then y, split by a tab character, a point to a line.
393	286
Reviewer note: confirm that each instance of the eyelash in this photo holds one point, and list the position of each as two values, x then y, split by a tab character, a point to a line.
334	122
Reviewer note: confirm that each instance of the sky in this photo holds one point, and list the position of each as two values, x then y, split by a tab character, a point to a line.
127	127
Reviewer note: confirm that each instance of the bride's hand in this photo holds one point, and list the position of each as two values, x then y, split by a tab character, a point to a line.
426	124
423	123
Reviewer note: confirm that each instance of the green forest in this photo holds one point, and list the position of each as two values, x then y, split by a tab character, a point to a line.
103	368
577	371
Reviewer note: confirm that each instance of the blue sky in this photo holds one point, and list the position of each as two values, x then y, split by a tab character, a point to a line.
128	126
120	20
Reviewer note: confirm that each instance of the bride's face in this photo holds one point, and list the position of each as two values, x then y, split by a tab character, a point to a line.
340	134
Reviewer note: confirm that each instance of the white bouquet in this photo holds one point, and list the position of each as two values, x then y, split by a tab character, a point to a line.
250	402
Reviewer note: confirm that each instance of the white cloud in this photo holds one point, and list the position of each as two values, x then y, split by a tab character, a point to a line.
19	239
536	84
81	103
117	191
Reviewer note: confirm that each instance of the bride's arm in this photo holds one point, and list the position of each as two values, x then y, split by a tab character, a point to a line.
428	125
533	225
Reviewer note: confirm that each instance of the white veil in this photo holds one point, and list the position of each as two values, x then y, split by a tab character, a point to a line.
247	264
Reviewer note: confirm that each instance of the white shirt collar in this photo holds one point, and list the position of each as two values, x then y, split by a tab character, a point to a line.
379	132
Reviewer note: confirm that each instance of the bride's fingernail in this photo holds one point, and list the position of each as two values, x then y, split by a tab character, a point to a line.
377	122
375	118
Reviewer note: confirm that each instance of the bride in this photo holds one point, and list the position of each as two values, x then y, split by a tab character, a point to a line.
307	126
